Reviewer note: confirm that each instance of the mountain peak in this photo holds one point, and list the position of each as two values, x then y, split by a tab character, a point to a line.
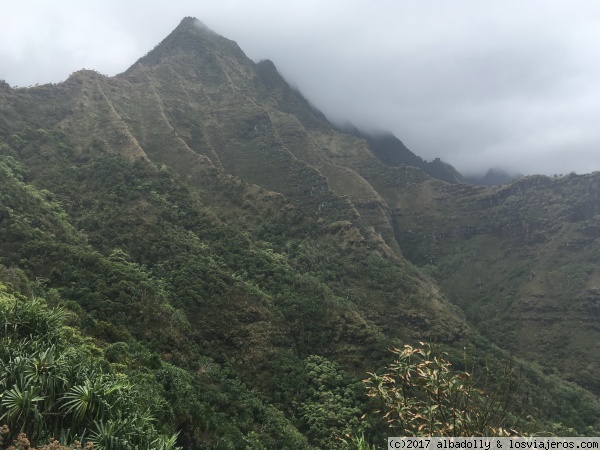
188	20
193	38
192	23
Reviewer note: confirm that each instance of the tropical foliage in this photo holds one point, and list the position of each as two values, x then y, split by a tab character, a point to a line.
421	395
54	384
213	255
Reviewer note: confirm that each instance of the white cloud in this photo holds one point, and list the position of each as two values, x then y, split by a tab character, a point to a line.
501	83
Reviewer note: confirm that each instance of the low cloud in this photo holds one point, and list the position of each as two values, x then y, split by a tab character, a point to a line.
507	84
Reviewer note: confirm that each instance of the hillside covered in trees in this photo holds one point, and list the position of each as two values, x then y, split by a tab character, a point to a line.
192	256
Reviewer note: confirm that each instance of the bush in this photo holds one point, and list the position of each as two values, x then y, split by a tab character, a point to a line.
51	385
420	395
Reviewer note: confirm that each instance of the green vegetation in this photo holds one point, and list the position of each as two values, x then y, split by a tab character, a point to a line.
56	384
421	395
193	257
522	262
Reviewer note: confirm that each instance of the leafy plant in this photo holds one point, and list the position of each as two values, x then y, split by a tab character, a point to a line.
421	395
22	443
332	407
50	385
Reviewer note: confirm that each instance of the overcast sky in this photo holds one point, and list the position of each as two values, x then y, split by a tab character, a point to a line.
513	84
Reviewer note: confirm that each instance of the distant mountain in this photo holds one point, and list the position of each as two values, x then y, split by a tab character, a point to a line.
492	177
520	259
391	151
226	249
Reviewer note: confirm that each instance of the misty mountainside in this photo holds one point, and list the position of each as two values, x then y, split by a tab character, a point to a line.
521	260
392	152
222	246
492	177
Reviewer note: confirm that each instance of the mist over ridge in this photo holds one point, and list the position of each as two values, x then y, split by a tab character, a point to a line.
243	261
476	85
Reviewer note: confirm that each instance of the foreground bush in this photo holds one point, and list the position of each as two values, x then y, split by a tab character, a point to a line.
54	384
421	395
22	443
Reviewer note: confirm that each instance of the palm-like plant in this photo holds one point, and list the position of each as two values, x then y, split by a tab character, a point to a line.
81	400
21	408
165	443
44	369
49	389
95	397
19	403
111	435
23	318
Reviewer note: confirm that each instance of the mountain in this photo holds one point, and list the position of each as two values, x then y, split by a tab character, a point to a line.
492	177
223	246
391	151
521	261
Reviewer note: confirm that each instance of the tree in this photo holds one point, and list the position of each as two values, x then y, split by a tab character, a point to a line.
331	409
421	395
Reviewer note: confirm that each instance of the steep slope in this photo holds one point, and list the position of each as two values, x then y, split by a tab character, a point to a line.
228	116
520	259
222	241
529	223
261	129
189	219
392	152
